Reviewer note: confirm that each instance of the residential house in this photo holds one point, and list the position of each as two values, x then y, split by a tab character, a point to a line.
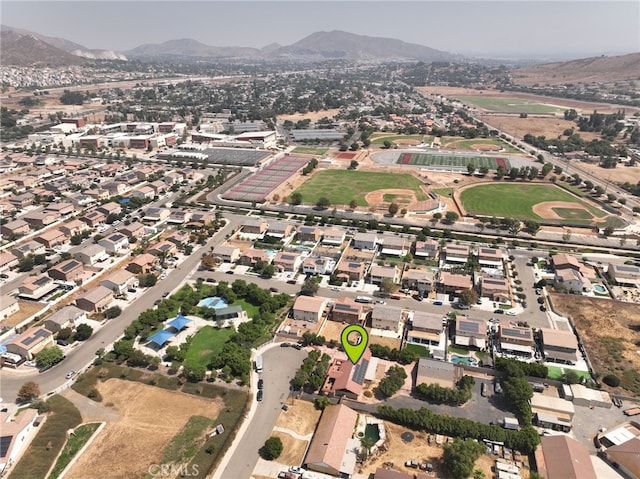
51	238
349	270
164	249
144	192
366	241
347	379
142	264
119	281
316	265
95	300
14	229
8	261
455	254
254	226
427	249
333	236
91	254
516	340
30	343
346	310
23	200
116	243
156	214
110	208
386	317
453	283
97	194
30	247
572	280
81	200
251	256
115	188
66	317
309	308
180	238
69	270
495	288
426	329
16	432
395	246
624	274
159	187
73	227
564	261
559	346
280	229
433	371
333	449
308	234
40	218
226	254
35	287
420	280
379	273
94	218
490	257
179	217
199	219
133	230
8	306
60	209
471	332
285	261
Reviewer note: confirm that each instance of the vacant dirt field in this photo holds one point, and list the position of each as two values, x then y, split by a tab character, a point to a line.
149	418
312	115
302	417
550	127
26	310
564	102
419	450
609	330
620	174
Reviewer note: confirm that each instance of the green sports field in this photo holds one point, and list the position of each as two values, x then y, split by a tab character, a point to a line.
342	186
306	150
512	200
379	140
509	105
452	161
468	145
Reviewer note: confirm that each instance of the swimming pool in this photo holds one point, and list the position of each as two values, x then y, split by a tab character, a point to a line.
214	302
598	288
464	360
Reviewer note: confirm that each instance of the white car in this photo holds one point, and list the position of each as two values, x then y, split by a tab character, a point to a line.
296	470
510	313
70	374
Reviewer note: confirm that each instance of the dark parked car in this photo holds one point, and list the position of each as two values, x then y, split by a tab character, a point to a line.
542	308
273	290
498	311
417	297
61	342
497	387
260	383
260	395
230	271
540	300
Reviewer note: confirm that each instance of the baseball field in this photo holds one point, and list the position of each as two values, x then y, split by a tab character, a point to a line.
342	186
527	201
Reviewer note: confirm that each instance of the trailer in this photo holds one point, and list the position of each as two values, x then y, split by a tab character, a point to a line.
258	364
634	411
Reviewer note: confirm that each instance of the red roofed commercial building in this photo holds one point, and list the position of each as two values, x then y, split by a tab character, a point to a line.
561	457
333	450
345	378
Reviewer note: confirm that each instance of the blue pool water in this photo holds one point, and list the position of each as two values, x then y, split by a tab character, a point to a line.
598	288
214	302
464	360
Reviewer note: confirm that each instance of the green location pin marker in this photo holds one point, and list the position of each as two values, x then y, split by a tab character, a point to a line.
359	339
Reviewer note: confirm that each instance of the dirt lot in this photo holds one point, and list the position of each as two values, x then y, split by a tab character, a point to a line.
609	329
302	418
149	418
26	310
564	102
312	115
419	450
620	174
548	126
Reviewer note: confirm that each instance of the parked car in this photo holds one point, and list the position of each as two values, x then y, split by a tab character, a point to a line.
297	346
417	297
405	290
437	303
260	395
542	308
510	313
4	276
296	470
497	387
291	281
394	296
273	290
61	342
540	300
230	271
498	311
70	374
286	475
260	383
336	288
285	345
483	389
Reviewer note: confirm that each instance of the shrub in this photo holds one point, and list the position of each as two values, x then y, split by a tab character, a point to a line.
272	448
611	380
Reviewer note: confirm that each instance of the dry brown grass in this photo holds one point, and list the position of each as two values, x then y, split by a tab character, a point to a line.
301	417
312	115
293	449
150	417
620	174
607	329
26	310
551	127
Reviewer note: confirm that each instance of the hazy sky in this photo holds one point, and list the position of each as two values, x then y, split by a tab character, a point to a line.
497	28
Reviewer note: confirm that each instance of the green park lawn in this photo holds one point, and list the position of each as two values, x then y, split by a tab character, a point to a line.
509	105
379	140
205	343
515	200
306	150
342	186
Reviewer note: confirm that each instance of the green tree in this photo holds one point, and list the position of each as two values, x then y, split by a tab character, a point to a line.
367	442
309	287
471	169
295	199
272	448
387	286
147	280
321	402
113	312
353	165
83	332
323	203
468	297
387	144
460	457
28	391
353	204
26	263
451	217
49	356
393	209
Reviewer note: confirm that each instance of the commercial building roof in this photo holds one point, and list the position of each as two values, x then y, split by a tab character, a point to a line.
564	458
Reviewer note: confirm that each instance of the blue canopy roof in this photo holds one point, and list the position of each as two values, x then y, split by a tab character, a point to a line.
161	337
179	322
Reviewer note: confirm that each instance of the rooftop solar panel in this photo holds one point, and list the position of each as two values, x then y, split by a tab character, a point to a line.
360	371
468	326
515	332
40	333
5	442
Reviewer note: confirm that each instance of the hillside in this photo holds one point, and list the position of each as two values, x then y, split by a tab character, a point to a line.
587	70
189	48
26	50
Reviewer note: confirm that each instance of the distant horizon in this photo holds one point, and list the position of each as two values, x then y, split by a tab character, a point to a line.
486	29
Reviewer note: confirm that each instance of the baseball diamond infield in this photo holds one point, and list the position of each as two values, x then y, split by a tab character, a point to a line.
527	201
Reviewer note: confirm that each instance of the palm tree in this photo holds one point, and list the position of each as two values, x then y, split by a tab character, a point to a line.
367	442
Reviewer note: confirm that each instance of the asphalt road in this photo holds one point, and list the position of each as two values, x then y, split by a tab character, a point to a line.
279	366
84	353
